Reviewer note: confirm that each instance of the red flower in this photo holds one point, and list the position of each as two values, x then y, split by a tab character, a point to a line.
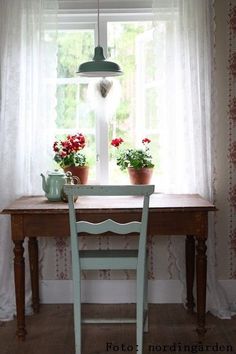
116	142
63	153
55	146
77	142
71	144
146	141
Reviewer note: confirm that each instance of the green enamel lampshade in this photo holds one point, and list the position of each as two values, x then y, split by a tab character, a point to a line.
99	66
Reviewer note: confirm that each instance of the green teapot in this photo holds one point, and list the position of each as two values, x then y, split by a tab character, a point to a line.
53	184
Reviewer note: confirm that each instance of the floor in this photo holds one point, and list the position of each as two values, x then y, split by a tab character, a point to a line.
171	330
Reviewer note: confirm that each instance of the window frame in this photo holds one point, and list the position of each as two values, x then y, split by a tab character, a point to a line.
73	19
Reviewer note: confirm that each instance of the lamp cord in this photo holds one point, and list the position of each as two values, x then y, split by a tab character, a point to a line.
98	25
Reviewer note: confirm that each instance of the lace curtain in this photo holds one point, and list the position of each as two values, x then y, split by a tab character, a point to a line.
27	91
188	118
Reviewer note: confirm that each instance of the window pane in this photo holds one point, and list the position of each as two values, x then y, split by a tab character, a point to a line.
131	45
150	109
66	106
74	113
74	47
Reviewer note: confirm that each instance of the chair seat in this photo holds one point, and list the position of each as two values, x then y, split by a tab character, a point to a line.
108	259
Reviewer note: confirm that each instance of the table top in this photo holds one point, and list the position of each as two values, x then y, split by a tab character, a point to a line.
158	202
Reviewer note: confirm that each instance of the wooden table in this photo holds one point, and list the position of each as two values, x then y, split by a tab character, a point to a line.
177	214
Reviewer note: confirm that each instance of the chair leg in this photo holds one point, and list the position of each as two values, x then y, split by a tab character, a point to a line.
146	296
77	317
140	310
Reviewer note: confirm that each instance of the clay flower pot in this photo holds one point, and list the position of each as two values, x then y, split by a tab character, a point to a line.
79	171
140	175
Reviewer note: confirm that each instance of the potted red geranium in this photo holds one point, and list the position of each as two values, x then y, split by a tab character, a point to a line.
69	156
138	161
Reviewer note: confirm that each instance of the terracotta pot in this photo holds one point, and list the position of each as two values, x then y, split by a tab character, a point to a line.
79	171
140	175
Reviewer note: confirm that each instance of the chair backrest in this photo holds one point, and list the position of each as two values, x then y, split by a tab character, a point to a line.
109	225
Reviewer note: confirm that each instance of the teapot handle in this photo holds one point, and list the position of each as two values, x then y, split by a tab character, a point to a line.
76	180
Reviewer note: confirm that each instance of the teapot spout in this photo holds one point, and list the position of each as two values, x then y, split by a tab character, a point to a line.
44	183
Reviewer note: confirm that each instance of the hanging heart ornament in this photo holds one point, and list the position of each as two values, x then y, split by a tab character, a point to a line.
104	87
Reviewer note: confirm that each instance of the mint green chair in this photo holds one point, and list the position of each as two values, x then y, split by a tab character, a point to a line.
110	259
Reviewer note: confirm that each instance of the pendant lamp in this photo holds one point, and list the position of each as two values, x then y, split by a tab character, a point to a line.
99	66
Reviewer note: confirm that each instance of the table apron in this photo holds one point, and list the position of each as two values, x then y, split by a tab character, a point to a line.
160	223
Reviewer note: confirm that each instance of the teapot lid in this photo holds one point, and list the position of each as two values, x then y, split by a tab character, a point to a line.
56	173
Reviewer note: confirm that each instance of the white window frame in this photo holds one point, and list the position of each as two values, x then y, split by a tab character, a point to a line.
74	15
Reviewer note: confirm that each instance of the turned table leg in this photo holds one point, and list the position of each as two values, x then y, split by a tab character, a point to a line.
190	269
33	261
19	271
201	285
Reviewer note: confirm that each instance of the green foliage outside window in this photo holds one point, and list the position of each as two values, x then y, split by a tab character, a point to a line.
122	48
73	48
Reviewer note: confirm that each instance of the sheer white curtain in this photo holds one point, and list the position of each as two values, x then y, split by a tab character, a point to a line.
188	119
27	91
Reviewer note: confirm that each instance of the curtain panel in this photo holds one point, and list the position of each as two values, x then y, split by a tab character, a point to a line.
189	119
27	91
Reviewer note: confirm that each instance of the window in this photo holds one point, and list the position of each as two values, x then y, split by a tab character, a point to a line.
73	112
128	40
128	43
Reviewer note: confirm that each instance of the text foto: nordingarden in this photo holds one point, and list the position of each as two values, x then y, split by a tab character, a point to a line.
172	348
